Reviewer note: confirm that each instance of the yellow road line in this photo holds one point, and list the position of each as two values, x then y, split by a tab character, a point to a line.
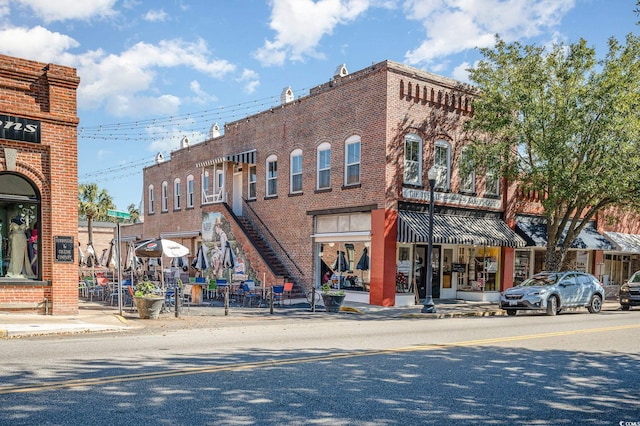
95	381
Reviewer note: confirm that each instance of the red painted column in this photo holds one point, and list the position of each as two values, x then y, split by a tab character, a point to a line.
384	235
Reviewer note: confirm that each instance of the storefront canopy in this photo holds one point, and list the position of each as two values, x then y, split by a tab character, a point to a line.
534	232
626	243
248	157
413	227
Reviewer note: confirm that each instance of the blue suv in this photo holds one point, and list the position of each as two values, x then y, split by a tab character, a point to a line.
554	291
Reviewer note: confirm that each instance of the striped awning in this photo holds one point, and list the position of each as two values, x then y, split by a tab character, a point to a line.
534	231
626	243
248	157
413	227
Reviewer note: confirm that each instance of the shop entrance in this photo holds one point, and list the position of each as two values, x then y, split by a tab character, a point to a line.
421	271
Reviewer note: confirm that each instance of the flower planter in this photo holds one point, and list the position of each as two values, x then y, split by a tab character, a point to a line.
149	307
332	302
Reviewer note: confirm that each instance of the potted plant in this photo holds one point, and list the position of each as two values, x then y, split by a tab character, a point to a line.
149	299
332	298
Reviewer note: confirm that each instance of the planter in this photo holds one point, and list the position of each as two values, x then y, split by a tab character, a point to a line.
149	307
332	302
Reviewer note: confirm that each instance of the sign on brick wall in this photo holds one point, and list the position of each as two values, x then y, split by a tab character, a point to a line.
19	129
65	248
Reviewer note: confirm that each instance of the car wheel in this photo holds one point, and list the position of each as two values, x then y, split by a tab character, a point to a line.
625	307
511	312
552	306
595	306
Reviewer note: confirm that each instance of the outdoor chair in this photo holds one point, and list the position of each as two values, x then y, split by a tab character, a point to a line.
186	296
249	294
278	293
211	289
288	288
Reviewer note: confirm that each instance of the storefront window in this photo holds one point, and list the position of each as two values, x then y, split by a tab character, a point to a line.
486	269
521	266
19	211
345	265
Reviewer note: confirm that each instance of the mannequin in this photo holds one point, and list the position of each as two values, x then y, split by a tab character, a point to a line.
18	249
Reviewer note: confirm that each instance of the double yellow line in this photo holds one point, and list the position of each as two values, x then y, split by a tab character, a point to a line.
100	381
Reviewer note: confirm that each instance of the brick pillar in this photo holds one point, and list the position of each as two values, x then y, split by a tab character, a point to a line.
383	257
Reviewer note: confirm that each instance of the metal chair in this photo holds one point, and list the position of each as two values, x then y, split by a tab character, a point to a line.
249	294
277	292
288	288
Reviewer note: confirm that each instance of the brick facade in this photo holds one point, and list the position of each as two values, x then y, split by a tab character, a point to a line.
45	93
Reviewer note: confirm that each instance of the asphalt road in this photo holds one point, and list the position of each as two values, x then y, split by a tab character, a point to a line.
575	368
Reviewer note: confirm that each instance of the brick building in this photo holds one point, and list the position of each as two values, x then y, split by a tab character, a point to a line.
38	187
334	185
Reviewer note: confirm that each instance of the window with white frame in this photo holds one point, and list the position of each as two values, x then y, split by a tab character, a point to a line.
272	176
176	194
352	161
296	171
253	178
324	166
412	159
151	199
218	185
165	196
190	190
468	178
205	184
442	164
493	181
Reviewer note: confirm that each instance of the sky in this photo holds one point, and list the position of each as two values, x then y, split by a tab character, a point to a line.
153	72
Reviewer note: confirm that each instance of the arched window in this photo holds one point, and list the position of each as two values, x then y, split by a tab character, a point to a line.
323	177
412	159
467	179
151	197
352	161
165	196
296	171
190	191
442	163
176	193
272	176
19	228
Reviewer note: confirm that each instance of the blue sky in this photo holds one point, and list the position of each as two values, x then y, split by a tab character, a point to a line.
153	72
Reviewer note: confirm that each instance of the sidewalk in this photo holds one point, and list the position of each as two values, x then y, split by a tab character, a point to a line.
96	317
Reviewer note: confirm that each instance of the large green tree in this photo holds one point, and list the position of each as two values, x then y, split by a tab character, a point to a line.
134	213
560	122
93	204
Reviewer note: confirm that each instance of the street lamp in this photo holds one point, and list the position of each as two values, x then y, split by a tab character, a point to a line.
428	306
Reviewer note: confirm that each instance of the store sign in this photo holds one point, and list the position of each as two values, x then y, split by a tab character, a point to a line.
19	129
458	267
452	199
65	248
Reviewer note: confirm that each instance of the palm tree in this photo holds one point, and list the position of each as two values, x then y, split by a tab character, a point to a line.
93	203
134	213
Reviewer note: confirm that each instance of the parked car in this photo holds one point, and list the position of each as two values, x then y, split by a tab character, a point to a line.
554	291
630	292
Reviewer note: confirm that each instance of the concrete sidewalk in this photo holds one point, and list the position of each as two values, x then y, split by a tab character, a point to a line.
96	317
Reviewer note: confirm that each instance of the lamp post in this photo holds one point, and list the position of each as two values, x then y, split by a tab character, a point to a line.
428	306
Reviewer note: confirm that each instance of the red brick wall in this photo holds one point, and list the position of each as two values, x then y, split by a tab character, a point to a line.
46	92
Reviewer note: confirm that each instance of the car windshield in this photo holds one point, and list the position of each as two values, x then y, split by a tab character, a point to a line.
540	280
635	278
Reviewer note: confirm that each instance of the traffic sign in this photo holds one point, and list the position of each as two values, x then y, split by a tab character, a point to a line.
118	214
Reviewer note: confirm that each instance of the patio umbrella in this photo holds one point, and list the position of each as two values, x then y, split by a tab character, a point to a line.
81	260
340	264
363	263
228	259
161	247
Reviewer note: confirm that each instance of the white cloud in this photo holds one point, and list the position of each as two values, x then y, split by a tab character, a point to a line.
156	16
251	80
301	24
452	26
62	10
38	44
201	97
118	80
